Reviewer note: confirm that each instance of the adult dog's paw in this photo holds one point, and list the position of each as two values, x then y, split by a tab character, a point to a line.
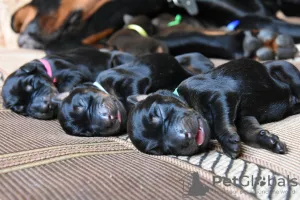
271	142
231	145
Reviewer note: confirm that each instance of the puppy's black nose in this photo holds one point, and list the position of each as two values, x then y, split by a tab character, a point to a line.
45	107
46	104
108	119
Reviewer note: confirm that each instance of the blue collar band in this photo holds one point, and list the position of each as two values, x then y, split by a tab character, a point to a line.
232	25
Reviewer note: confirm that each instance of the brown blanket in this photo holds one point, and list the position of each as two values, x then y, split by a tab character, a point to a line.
39	161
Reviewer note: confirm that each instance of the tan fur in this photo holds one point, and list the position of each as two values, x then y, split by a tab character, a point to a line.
23	17
92	39
52	22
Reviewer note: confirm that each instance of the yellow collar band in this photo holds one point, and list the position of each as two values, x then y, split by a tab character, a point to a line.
138	29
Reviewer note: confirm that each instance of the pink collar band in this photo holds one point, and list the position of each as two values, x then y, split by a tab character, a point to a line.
48	68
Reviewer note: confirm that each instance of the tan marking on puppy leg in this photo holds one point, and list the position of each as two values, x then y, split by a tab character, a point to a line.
23	17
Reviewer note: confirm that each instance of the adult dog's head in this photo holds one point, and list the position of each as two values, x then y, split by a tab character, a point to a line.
46	24
28	91
163	123
41	22
88	111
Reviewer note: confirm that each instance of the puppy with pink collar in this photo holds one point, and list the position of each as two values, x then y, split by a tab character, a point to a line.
30	89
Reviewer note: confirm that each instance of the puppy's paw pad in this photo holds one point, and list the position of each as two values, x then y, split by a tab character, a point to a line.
235	138
272	142
280	148
232	145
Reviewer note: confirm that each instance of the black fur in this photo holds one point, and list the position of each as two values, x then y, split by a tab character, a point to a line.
29	90
87	111
227	46
229	103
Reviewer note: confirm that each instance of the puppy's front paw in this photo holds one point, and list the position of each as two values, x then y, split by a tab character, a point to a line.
231	145
271	142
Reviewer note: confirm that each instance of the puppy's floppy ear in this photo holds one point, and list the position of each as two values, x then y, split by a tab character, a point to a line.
29	68
58	99
127	18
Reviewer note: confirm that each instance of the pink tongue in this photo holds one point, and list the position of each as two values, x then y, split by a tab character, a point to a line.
119	117
200	137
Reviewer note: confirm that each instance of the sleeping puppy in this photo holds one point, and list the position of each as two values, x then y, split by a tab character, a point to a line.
227	104
28	91
135	37
100	109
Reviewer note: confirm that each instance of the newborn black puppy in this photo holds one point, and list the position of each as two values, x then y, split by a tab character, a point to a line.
101	110
135	37
229	103
28	91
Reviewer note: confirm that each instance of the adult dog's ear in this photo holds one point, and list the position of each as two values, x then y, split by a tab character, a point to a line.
22	17
58	99
134	99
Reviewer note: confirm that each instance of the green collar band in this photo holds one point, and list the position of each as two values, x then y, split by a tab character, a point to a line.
176	92
138	29
177	21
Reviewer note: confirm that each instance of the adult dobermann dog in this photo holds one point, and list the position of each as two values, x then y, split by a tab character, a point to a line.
45	24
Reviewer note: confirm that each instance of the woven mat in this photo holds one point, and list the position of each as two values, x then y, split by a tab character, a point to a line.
39	161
